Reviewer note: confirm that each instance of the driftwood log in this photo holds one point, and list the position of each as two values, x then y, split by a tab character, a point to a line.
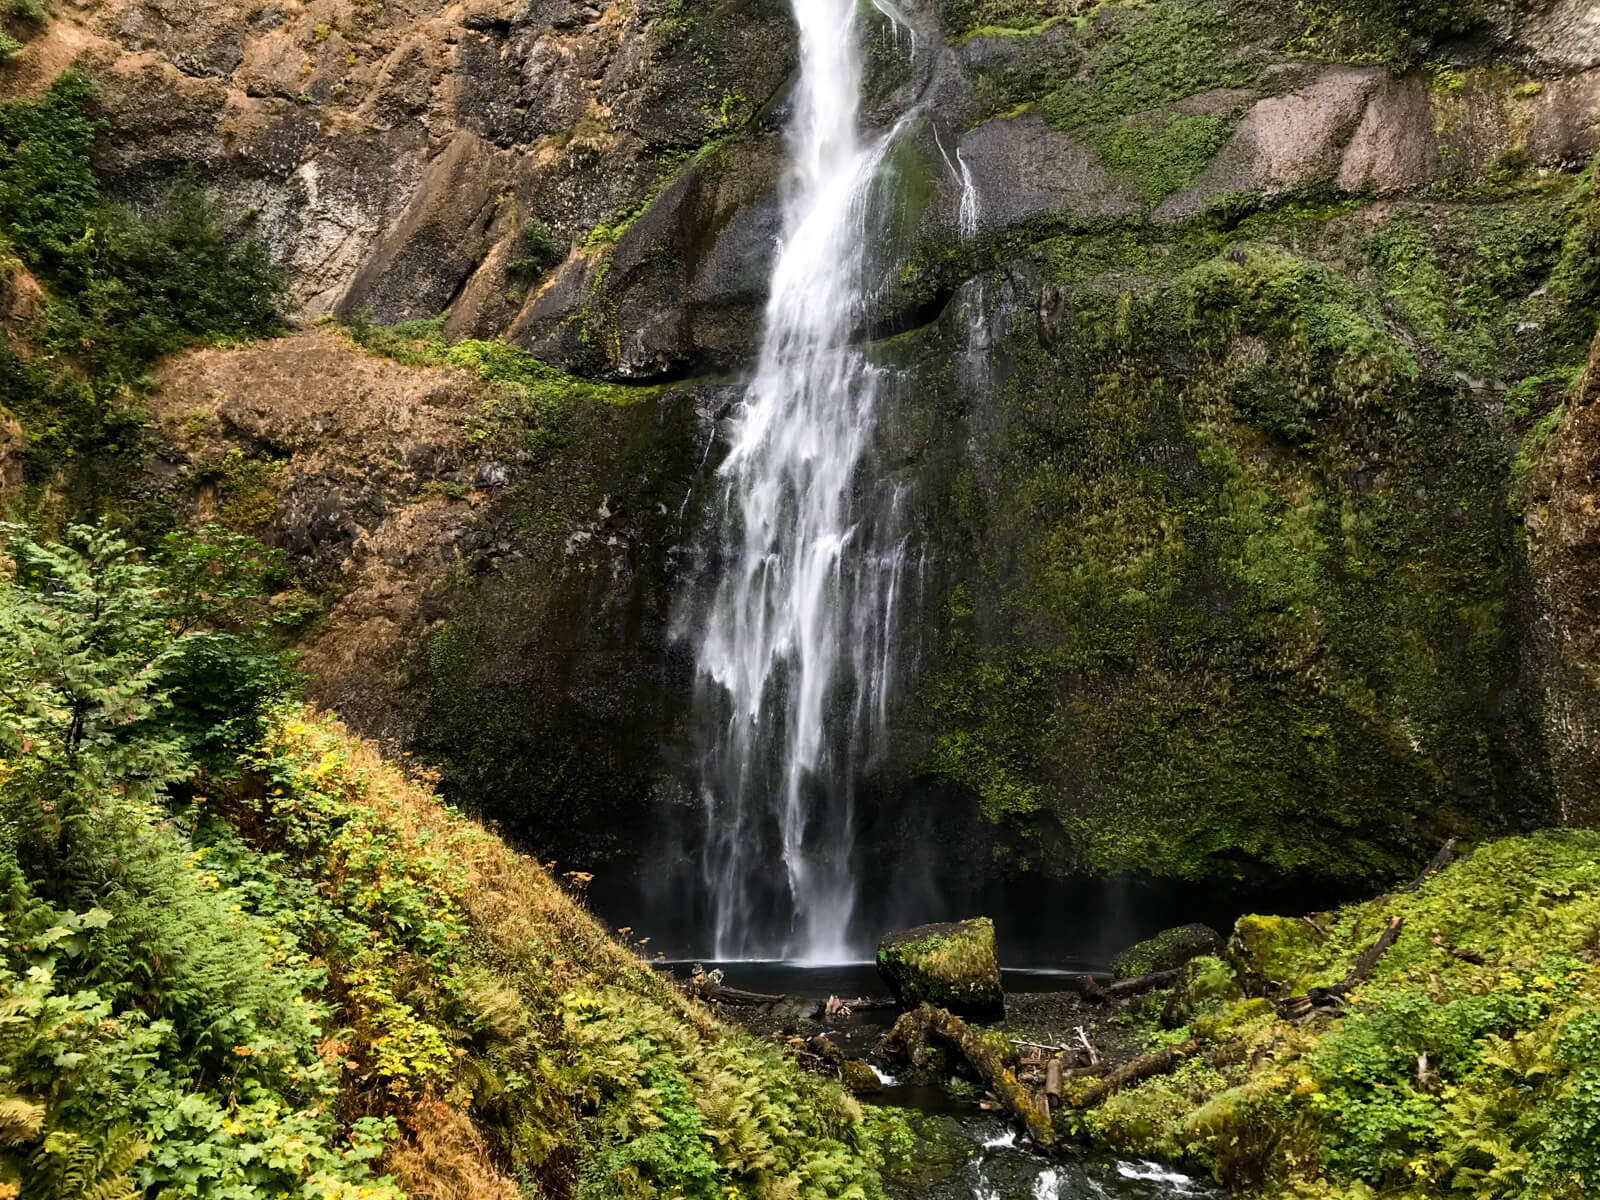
1123	988
1332	997
1142	1068
711	988
1440	861
719	993
1095	992
912	1032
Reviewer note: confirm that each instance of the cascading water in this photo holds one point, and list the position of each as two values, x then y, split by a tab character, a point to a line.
796	646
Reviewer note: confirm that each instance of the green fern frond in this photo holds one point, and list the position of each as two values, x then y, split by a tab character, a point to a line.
88	1169
20	1120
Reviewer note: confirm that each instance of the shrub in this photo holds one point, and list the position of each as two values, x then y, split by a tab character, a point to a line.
538	252
125	286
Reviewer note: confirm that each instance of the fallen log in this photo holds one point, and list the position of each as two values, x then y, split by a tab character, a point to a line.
711	988
1089	988
1144	983
1145	1067
720	993
1332	997
1469	956
1438	863
859	1004
912	1031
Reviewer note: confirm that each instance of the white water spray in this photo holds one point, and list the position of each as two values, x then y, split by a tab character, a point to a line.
796	646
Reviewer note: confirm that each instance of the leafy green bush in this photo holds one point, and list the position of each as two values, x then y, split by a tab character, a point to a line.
242	956
122	672
125	287
35	12
538	252
1467	1064
155	1032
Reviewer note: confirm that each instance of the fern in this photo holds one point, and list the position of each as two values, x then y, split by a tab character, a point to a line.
76	1166
20	1121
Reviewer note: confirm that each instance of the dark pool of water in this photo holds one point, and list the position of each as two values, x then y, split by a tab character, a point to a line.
849	980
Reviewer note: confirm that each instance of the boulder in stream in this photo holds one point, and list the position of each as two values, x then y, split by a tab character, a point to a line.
1168	949
951	965
859	1077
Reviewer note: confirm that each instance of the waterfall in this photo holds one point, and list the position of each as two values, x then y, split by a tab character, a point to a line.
796	645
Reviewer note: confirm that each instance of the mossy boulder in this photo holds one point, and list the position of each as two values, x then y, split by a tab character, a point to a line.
1267	952
859	1077
1168	949
1204	985
951	966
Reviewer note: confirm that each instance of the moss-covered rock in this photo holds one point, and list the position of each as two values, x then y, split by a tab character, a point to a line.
1265	952
1248	599
951	965
1205	984
859	1077
1168	949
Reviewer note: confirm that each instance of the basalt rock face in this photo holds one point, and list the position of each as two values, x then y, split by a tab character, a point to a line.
1563	522
1246	427
393	156
1222	417
483	581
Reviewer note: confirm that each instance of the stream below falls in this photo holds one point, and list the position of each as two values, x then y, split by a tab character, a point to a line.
963	1152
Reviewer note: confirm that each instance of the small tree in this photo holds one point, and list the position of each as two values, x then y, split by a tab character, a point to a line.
101	652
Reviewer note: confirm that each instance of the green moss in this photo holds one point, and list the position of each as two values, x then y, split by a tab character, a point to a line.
1467	1056
1168	949
1141	58
672	167
951	966
533	403
1266	952
1205	985
248	491
967	18
1117	62
1247	598
1400	33
1473	282
1163	156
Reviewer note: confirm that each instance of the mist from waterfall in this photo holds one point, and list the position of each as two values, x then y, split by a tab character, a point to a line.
796	646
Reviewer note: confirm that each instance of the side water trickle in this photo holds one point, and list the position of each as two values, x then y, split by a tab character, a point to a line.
796	646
